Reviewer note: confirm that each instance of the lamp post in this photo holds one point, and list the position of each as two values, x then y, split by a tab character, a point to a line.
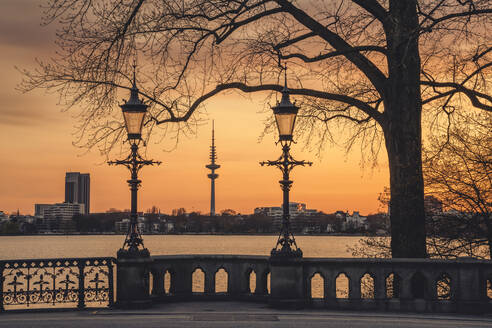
134	111
285	117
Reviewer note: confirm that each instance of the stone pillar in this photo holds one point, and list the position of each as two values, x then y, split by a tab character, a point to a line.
158	283
471	288
209	280
133	282
287	287
238	280
261	282
182	281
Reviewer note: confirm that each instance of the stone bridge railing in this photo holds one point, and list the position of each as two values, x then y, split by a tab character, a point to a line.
422	285
416	285
189	277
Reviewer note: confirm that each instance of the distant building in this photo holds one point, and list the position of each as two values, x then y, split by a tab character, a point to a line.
122	226
167	225
142	224
57	217
274	212
77	189
63	210
40	208
330	227
355	221
296	211
340	215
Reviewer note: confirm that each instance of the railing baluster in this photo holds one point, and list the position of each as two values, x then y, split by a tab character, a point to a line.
81	266
2	265
110	283
53	293
28	288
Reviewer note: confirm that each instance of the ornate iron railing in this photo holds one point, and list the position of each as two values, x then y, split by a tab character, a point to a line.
56	283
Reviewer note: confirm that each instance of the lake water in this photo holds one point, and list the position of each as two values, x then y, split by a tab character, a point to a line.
61	246
33	247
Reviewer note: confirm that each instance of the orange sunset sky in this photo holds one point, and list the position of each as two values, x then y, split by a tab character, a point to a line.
36	145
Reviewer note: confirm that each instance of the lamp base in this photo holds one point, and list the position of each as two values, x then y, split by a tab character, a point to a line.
132	253
287	286
133	273
286	253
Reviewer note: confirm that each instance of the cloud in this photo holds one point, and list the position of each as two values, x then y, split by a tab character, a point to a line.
20	25
24	110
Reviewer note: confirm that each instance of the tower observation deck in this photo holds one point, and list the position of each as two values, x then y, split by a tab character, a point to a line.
212	175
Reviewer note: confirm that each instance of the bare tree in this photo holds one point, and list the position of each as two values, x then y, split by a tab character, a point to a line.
458	171
457	168
368	66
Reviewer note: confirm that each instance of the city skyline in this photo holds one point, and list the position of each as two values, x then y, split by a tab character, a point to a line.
41	135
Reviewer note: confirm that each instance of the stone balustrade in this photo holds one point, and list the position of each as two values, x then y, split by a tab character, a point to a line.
417	285
180	271
463	285
421	285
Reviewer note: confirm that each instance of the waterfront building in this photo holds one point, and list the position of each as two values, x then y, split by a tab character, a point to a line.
77	189
63	210
57	217
299	214
355	221
40	208
122	226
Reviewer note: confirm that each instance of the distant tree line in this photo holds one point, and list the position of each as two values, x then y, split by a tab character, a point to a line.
227	222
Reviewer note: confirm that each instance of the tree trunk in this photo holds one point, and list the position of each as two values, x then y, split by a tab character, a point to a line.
403	132
407	189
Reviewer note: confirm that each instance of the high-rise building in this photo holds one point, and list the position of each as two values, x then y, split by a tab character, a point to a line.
77	189
212	176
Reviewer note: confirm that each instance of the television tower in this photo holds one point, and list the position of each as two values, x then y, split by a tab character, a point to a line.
212	176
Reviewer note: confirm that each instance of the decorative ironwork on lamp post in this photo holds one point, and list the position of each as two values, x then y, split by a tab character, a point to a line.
285	117
134	111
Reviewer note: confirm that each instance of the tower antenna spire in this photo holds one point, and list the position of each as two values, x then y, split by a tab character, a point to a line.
213	153
212	167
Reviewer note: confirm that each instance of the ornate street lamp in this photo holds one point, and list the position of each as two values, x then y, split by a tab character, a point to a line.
134	111
285	117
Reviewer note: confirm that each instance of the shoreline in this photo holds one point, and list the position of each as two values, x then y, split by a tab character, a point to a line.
191	234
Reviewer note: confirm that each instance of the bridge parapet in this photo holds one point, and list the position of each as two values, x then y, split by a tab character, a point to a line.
412	285
191	277
416	285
